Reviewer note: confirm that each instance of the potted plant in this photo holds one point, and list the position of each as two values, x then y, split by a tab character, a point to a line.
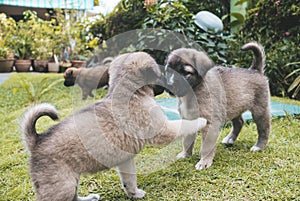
42	53
53	65
23	42
79	56
22	53
7	27
6	63
80	52
44	42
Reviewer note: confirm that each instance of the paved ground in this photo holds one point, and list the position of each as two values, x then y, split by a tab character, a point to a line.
4	76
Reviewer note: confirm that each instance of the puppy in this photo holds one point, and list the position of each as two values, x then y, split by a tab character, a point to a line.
219	94
88	79
108	133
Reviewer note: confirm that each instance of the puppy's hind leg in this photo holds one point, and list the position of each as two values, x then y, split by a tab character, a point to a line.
58	186
237	124
188	146
128	178
84	94
263	124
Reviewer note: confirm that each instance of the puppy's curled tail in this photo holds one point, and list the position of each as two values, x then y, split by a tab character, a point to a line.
259	55
30	135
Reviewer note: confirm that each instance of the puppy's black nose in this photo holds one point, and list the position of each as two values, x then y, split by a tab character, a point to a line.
68	84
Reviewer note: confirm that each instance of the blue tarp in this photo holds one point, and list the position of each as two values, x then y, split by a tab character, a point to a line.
169	106
65	4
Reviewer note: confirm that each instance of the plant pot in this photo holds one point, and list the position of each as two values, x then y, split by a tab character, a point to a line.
53	67
79	63
22	65
40	65
6	65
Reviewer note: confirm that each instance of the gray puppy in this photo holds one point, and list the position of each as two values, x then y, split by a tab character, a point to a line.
108	133
219	94
88	79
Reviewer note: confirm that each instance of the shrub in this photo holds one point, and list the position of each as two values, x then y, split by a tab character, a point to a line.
275	24
176	16
128	15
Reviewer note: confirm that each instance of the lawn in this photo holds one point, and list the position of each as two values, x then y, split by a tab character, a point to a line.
236	174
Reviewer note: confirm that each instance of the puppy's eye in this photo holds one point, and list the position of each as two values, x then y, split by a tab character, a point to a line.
189	69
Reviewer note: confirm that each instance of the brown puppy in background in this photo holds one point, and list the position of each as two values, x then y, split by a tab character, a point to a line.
88	79
108	133
219	94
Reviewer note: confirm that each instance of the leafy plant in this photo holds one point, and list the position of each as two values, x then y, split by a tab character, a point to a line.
24	35
177	17
44	40
76	38
275	24
33	94
3	52
7	29
296	83
128	15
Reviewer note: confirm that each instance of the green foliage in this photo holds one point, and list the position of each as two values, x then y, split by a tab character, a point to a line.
44	40
177	17
296	83
7	29
219	8
35	93
23	36
275	24
3	52
81	40
128	15
33	37
273	19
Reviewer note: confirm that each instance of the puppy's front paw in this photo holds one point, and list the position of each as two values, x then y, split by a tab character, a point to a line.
190	127
139	193
91	197
203	164
201	123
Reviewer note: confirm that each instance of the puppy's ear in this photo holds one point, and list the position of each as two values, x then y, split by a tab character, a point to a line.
202	63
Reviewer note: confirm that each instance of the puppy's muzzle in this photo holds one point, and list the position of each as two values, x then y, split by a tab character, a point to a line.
174	83
69	83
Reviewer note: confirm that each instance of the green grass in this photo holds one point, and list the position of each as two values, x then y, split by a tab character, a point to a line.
236	174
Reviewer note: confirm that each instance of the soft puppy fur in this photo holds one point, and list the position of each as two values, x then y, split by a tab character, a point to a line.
88	79
108	133
219	94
